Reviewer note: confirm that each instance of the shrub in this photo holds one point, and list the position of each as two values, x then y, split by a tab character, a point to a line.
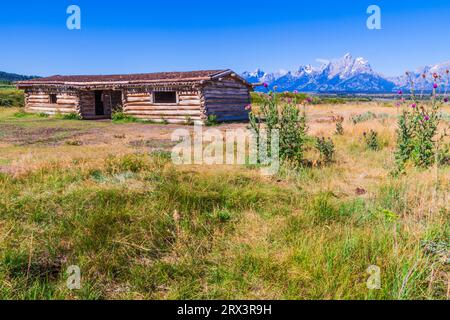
6	102
417	133
371	139
188	121
120	116
326	149
339	126
287	120
211	120
21	114
11	98
366	116
71	116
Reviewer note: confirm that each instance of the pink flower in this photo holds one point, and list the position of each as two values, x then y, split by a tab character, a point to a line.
265	85
413	105
309	100
249	107
435	85
289	100
400	92
427	118
295	91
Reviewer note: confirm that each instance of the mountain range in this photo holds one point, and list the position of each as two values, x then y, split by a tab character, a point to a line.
345	75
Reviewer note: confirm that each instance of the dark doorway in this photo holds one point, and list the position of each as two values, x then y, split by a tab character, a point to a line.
99	107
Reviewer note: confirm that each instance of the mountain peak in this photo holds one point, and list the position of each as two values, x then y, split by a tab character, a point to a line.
343	74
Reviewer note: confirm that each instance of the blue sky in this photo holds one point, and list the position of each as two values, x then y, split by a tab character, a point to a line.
146	35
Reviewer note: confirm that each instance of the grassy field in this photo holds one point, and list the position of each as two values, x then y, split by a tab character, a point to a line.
106	197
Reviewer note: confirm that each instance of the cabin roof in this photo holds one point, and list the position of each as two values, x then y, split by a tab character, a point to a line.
163	77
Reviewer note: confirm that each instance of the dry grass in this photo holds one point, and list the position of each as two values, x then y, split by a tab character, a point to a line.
142	228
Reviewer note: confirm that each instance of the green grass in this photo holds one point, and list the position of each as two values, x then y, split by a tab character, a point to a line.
10	97
141	228
138	227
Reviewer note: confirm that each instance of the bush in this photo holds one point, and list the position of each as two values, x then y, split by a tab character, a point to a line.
11	98
71	116
120	116
417	133
326	149
287	120
211	120
339	126
366	116
371	139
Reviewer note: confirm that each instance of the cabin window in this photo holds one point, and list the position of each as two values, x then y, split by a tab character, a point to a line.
165	97
53	99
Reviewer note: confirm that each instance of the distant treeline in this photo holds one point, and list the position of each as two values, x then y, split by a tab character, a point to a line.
8	78
257	98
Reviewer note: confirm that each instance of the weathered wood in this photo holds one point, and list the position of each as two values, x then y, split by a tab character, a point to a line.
62	110
164	112
153	107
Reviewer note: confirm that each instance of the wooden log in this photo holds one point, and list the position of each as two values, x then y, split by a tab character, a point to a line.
165	112
42	109
151	107
50	105
140	99
189	102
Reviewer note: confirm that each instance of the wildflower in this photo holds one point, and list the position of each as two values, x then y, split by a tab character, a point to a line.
249	107
265	85
427	118
295	91
445	100
435	86
413	106
309	100
397	104
435	75
400	92
289	100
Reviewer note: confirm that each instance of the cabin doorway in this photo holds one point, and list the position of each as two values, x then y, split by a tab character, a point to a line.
99	106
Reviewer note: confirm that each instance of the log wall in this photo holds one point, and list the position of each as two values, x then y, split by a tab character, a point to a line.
140	105
39	102
226	99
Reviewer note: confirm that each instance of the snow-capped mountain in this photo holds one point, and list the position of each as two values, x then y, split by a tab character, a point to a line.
346	74
422	78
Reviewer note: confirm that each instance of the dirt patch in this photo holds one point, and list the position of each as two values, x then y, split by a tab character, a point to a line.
20	136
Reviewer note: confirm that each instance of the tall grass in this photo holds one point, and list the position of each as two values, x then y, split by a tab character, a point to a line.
139	227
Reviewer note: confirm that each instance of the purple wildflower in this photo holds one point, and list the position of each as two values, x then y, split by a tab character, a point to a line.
445	100
413	105
265	85
435	86
427	118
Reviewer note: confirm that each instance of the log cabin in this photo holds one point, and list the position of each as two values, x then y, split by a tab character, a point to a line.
172	97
